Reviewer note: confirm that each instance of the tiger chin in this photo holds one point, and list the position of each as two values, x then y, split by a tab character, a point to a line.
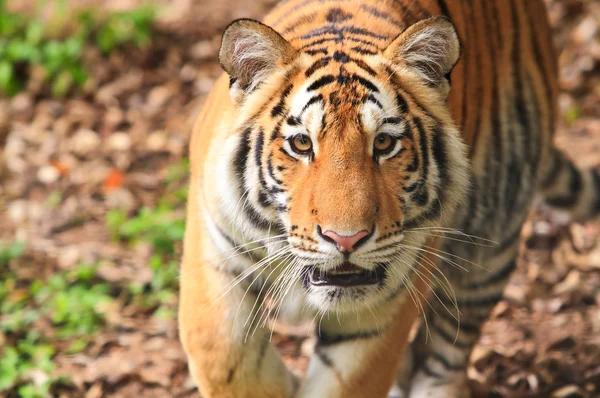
347	168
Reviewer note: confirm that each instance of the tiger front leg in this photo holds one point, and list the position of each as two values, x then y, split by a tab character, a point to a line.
224	359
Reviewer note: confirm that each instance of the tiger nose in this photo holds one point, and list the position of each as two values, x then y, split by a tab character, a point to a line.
345	244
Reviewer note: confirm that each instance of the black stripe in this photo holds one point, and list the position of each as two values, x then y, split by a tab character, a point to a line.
317	51
466	67
483	301
552	175
325	359
596	206
319	64
453	340
393	120
363	51
312	101
495	169
336	14
339	32
325	340
445	362
309	18
271	171
366	83
421	196
364	66
239	164
293	121
500	275
230	375
411	187
401	103
320	82
264	344
541	66
536	145
382	15
278	109
339	40
263	198
258	147
439	154
510	239
575	186
276	131
444	8
241	156
374	100
430	372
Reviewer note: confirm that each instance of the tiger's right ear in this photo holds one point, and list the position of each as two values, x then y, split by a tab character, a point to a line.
250	52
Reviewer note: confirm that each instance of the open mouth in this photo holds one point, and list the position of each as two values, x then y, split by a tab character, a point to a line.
346	275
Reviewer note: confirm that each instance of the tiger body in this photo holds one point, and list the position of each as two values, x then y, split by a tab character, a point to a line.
348	137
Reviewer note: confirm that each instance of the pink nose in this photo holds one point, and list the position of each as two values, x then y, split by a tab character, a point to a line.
345	243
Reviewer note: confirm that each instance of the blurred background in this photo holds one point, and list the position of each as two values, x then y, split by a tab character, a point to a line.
96	105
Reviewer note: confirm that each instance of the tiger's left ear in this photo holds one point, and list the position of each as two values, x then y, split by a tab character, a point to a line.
250	52
430	46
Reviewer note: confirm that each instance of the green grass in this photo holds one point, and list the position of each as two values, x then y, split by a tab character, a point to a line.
25	43
73	303
70	301
163	228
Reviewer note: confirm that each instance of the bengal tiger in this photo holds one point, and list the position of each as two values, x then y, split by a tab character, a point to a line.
341	170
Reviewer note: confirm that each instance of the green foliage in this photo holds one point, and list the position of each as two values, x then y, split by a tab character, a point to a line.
160	226
10	252
572	114
71	300
163	228
24	43
125	27
20	360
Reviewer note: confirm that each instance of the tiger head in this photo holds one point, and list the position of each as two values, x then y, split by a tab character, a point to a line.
351	153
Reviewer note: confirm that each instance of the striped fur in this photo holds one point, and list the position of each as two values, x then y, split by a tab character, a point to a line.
471	147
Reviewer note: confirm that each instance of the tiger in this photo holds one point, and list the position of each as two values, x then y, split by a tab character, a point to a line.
342	168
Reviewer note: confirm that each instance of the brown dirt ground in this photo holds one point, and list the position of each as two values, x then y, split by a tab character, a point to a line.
133	120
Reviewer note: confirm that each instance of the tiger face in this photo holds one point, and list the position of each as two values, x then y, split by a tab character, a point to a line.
350	154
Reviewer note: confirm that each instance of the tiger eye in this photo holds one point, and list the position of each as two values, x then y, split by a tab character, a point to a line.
301	143
384	143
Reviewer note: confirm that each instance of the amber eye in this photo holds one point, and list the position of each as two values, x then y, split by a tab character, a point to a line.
301	144
384	144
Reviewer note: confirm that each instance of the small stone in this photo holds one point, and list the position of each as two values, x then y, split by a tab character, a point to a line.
159	96
157	141
188	73
114	117
571	283
570	391
17	211
84	141
21	102
48	174
203	50
119	141
68	257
